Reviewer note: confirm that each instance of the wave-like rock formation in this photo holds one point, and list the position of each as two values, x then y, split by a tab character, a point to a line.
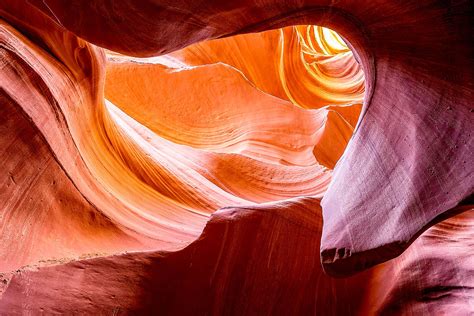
232	158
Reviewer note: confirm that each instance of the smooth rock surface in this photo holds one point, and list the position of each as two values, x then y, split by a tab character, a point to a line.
230	173
411	155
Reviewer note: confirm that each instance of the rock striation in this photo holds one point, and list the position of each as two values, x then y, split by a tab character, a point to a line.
233	158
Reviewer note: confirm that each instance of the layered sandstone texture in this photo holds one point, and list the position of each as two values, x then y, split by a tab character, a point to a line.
236	157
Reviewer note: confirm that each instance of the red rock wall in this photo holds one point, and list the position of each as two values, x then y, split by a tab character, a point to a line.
104	153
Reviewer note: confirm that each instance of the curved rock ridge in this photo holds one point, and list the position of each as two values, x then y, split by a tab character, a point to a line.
220	274
43	215
229	172
411	150
311	66
155	165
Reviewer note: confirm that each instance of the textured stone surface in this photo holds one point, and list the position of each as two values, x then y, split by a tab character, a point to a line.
244	264
209	163
412	144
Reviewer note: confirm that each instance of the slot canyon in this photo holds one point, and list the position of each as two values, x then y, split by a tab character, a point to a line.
265	157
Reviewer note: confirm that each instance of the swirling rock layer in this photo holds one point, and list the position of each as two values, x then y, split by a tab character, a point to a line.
209	163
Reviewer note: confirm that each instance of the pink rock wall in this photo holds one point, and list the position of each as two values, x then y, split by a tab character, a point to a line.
212	165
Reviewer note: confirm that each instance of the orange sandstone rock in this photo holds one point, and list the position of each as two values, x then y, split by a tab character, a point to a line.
213	164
